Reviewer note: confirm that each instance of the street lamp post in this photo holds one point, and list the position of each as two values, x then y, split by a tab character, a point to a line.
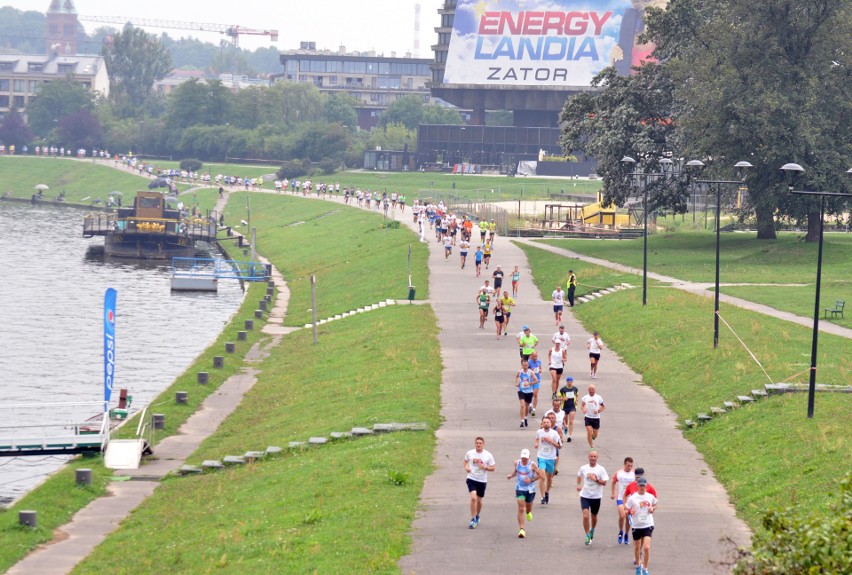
793	169
740	166
668	169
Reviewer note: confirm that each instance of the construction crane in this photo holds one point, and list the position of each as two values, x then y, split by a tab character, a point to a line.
232	31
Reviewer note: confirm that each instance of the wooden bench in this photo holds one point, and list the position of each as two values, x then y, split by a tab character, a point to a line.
836	310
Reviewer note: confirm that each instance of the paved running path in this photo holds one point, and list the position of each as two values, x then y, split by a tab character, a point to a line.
702	289
478	398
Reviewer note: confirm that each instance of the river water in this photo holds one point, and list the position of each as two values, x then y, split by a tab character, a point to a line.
51	332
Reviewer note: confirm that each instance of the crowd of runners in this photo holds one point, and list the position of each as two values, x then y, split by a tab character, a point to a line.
634	498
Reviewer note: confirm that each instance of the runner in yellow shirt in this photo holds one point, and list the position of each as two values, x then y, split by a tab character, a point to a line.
508	304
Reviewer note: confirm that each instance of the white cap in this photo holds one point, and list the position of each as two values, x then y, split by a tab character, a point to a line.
525	454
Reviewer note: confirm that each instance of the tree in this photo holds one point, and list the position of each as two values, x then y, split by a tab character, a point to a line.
340	109
435	114
407	111
134	60
628	116
391	137
768	83
197	103
318	140
80	130
14	131
56	100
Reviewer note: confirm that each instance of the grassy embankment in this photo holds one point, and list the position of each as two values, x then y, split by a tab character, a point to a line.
691	256
356	261
767	454
349	503
318	509
82	181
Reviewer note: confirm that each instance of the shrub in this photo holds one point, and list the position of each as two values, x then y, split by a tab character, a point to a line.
327	165
291	169
820	543
191	165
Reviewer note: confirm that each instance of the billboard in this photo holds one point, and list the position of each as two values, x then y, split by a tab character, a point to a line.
548	43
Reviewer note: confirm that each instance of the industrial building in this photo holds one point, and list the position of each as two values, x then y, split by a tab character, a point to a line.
375	81
528	58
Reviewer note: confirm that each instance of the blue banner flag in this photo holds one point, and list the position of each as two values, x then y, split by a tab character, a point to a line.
109	344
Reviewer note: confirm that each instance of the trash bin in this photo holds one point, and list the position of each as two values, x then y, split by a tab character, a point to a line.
411	292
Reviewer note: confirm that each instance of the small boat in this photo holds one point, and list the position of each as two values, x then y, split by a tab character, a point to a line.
150	229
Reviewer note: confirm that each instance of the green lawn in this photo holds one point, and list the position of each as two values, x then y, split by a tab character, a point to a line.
313	511
766	454
691	256
355	260
550	270
79	179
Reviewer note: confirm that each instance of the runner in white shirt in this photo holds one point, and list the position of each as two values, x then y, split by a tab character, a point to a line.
592	405
562	337
477	463
595	346
558	297
547	442
591	480
623	478
556	364
641	507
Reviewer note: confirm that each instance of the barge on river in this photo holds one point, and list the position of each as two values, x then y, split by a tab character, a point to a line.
150	229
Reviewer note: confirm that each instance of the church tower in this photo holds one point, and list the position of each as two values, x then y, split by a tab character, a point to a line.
62	28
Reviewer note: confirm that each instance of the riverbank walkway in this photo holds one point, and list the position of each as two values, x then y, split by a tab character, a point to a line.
697	526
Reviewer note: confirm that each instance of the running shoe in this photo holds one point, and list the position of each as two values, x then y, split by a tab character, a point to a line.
620	537
645	572
529	516
554	398
589	542
626	537
532	412
472	524
477	520
592	533
544	500
638	571
526	423
522	534
568	439
522	424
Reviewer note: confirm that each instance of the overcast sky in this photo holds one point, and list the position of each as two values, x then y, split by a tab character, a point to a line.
381	25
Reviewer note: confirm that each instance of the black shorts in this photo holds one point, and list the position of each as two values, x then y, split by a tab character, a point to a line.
525	397
525	356
478	486
569	407
558	370
499	318
593	422
642	532
593	505
498	284
597	356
